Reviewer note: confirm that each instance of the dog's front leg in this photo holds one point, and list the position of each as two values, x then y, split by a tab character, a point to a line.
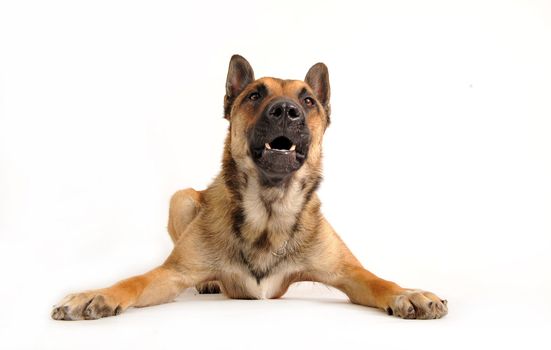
157	286
364	288
334	264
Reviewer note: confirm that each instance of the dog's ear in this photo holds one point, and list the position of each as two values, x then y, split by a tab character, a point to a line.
240	74
318	79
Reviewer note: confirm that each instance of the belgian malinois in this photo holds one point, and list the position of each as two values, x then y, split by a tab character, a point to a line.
258	227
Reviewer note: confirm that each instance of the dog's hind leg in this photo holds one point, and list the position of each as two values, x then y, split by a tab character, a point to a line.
184	206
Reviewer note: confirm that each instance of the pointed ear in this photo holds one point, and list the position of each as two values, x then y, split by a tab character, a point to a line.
240	74
318	79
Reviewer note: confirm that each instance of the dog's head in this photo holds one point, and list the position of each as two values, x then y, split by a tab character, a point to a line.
276	126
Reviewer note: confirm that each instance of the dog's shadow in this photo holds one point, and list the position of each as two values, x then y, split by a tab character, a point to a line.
191	299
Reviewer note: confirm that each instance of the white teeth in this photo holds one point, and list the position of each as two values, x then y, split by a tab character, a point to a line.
267	146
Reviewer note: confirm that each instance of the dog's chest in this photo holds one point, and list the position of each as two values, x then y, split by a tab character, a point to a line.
267	288
272	210
265	240
241	284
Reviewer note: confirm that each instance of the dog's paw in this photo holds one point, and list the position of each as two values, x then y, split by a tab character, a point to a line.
208	288
417	304
86	306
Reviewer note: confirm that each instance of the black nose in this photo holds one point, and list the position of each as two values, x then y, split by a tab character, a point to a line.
285	109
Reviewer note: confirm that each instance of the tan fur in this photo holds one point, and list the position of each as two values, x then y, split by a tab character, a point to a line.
250	240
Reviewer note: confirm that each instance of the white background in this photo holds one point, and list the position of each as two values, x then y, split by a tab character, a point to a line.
437	164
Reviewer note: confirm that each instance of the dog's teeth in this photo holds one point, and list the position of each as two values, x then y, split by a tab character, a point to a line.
292	147
267	145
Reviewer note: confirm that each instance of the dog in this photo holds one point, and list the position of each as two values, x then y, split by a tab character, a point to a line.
258	227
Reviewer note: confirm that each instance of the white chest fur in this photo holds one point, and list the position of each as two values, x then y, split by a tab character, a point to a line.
240	283
267	288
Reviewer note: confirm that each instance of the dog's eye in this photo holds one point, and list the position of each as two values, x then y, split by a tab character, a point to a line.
309	101
254	96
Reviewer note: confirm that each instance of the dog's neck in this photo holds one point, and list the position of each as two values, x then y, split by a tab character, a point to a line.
272	211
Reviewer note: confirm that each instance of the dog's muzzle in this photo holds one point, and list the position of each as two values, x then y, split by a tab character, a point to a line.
279	141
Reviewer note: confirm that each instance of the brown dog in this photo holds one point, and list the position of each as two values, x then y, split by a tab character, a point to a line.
258	227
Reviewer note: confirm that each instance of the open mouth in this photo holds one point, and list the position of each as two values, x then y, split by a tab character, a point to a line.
278	155
280	144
